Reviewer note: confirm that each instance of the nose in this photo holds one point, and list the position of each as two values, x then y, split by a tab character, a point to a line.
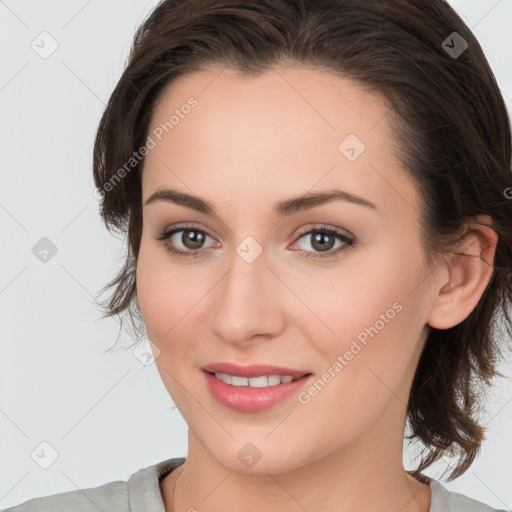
249	301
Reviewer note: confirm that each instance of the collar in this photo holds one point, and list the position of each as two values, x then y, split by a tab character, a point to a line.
144	489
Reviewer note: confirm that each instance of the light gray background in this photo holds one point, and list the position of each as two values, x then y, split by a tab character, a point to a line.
108	415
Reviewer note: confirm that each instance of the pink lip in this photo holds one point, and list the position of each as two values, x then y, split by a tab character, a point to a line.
248	399
253	370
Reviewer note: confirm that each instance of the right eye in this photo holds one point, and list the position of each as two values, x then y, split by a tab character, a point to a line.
191	239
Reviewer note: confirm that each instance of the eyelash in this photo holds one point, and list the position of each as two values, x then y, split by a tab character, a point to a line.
348	242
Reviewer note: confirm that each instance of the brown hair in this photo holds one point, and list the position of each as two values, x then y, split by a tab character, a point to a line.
452	131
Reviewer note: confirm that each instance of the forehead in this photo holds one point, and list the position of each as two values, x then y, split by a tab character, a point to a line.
285	130
299	100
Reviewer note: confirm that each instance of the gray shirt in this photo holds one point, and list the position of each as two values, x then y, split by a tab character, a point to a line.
141	493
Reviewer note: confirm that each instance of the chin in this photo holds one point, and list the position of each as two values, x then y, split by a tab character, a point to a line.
259	457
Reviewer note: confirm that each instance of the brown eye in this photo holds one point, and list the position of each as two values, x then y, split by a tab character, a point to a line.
184	241
323	240
192	239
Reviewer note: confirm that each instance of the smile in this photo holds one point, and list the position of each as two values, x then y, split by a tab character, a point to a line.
262	381
253	394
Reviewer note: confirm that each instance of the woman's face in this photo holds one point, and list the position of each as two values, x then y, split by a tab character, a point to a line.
266	285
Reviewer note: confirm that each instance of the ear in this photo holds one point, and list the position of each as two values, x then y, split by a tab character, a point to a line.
470	270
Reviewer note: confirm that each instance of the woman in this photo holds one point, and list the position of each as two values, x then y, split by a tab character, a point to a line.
315	200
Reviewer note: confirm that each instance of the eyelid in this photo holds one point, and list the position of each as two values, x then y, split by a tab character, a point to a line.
184	226
324	227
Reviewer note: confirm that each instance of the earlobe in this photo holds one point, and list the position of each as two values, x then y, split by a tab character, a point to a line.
470	269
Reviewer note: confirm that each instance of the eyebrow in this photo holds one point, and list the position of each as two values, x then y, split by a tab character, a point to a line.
282	209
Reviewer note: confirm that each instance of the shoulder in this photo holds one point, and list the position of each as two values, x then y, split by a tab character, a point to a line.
112	496
139	493
444	500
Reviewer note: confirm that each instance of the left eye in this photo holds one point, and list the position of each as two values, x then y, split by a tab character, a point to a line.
324	240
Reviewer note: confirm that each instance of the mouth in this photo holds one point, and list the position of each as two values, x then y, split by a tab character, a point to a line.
253	370
261	381
252	388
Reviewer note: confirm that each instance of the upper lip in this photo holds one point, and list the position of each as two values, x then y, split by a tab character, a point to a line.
253	370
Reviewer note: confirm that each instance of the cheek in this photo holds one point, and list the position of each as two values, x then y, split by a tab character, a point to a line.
353	297
172	298
369	316
163	292
166	296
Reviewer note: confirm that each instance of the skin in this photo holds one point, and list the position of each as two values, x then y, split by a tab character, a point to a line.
248	144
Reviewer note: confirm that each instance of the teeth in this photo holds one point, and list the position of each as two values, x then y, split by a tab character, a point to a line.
254	382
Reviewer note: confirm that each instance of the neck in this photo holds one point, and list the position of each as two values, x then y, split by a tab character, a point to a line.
366	475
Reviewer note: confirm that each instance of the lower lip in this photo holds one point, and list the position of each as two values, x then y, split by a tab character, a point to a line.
247	399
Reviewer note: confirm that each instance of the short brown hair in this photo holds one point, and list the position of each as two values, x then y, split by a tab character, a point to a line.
452	131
